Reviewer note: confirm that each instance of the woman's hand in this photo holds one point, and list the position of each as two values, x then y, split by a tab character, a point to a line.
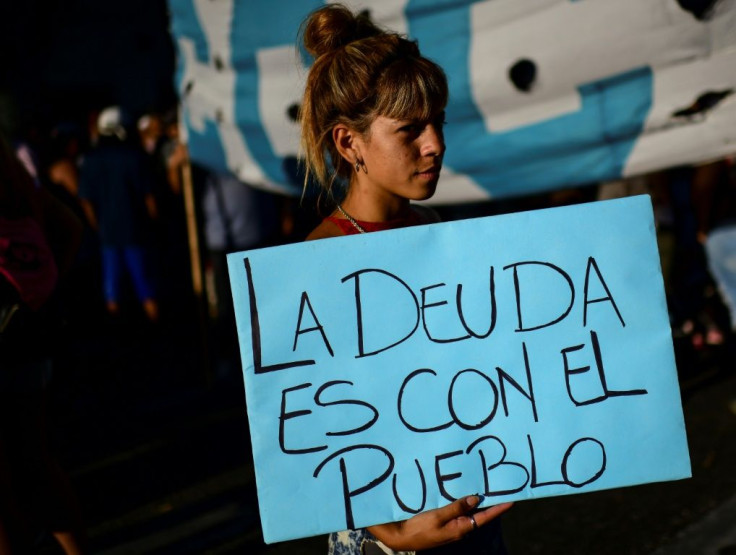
437	527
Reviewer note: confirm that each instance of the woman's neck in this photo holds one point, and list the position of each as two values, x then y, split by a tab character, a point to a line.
374	208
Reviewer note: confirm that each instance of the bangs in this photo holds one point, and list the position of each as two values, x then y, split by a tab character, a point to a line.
411	89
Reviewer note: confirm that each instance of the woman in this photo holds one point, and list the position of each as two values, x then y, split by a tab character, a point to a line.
372	117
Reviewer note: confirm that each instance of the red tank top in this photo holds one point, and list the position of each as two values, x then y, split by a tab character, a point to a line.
349	229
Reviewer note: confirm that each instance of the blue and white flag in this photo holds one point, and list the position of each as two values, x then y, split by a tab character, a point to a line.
544	94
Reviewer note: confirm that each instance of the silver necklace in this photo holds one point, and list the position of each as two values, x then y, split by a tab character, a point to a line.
349	218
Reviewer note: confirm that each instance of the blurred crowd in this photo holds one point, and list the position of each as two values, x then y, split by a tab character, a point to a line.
153	221
155	226
695	215
107	229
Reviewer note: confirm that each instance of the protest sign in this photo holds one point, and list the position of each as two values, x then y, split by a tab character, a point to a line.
516	356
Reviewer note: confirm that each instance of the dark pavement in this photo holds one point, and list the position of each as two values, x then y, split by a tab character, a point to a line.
155	441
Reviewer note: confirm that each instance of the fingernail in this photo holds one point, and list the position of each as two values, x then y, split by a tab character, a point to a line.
474	500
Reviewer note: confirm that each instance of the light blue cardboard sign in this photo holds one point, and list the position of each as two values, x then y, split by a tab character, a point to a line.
516	356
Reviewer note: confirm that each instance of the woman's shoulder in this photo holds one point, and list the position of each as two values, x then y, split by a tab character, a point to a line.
326	229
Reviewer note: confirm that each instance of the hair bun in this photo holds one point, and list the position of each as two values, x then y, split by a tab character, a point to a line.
334	26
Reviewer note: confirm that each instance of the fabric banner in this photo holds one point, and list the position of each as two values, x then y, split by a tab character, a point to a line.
516	356
544	94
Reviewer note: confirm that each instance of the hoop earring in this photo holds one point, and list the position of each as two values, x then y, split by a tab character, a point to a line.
360	164
357	166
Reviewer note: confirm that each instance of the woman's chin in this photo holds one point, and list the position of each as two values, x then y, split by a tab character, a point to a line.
427	192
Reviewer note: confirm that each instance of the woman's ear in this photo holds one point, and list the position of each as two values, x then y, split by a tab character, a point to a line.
346	143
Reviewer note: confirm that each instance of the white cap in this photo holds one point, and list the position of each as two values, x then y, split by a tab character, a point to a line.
110	122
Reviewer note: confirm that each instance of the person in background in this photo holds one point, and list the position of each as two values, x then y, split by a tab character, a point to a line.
150	130
116	192
237	217
372	118
38	240
61	179
63	158
714	199
174	152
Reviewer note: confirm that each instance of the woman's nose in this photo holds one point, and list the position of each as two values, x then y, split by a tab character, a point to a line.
433	141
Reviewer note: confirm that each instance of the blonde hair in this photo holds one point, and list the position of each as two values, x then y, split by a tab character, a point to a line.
359	72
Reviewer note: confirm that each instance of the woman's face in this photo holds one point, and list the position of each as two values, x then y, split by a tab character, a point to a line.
402	158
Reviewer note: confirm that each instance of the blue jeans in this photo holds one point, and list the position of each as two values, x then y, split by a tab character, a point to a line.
720	248
115	260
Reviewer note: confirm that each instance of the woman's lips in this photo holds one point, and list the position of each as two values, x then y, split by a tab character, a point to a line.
434	171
